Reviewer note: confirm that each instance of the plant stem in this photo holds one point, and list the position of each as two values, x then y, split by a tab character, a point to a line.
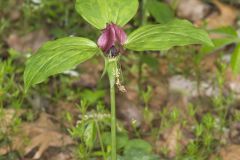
112	69
142	13
142	16
100	140
113	123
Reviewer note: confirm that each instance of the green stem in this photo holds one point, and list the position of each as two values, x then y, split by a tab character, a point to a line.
112	69
100	140
113	123
143	19
142	13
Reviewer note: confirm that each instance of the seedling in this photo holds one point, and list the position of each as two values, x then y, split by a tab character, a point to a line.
109	16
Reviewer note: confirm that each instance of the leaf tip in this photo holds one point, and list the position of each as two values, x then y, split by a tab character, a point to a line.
210	43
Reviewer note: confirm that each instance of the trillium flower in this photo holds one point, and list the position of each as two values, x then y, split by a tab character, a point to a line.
112	39
109	16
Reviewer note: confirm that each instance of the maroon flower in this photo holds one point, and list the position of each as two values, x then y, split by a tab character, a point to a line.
112	38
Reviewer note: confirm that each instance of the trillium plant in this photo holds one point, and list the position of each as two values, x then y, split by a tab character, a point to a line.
109	16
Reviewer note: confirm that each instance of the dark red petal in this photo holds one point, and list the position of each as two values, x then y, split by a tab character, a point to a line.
111	36
120	34
107	39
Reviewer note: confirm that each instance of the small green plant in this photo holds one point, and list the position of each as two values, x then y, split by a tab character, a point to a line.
109	16
89	129
10	103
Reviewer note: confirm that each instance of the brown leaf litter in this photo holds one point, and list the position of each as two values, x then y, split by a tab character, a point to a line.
39	135
230	152
225	16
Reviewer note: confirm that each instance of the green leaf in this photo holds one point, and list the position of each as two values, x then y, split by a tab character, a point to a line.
57	56
137	144
224	36
235	60
163	37
150	61
160	11
90	134
227	31
218	44
92	96
139	155
101	12
122	139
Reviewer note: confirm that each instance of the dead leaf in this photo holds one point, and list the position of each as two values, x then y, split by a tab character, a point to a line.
29	42
173	141
231	152
42	134
47	139
62	156
226	16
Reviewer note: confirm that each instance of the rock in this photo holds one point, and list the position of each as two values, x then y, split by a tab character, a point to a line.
190	87
194	10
